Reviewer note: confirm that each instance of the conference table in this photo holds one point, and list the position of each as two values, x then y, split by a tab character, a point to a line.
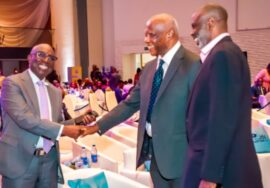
114	180
259	119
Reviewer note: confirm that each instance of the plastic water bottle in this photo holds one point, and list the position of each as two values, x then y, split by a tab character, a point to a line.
147	163
94	155
84	159
77	163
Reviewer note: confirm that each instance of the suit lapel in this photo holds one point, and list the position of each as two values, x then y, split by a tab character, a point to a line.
173	67
29	90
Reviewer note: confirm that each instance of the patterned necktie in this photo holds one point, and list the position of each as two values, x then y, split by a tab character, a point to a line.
155	87
44	112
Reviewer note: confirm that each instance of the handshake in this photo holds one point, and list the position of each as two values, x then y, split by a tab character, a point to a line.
82	127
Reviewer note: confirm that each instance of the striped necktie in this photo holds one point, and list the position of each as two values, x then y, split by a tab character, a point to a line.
155	87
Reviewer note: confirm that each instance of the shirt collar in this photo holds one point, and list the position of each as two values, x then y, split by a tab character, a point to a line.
35	79
169	55
207	48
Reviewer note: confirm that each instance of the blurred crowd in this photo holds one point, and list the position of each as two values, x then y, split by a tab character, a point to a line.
99	81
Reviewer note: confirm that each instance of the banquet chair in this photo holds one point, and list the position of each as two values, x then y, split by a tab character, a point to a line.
70	101
94	105
100	97
75	105
129	169
110	100
125	134
106	146
66	149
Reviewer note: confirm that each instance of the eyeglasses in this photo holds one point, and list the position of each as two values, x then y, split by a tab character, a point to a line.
43	56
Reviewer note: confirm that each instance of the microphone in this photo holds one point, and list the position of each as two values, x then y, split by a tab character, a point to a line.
79	120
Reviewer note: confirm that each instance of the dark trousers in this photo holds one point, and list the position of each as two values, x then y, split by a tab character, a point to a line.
158	180
42	173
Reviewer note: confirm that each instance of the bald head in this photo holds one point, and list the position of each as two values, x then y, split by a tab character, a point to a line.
41	60
164	22
42	46
216	12
208	22
161	33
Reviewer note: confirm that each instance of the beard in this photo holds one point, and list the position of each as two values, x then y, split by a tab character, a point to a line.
202	38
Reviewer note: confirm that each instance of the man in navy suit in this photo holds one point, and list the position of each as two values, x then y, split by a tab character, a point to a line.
220	148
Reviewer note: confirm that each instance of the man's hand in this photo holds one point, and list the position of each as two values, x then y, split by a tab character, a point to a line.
207	184
73	131
88	119
86	130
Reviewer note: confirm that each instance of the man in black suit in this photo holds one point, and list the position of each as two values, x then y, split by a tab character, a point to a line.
161	131
220	150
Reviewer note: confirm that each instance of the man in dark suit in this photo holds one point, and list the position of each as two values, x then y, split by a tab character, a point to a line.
28	141
161	131
220	149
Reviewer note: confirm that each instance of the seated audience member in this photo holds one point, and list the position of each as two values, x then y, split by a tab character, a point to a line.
256	90
53	76
79	83
95	73
73	85
127	87
264	74
104	84
115	84
87	84
2	77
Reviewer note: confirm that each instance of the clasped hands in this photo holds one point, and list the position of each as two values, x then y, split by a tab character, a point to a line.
75	131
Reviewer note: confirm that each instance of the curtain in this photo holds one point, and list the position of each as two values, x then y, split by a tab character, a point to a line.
22	21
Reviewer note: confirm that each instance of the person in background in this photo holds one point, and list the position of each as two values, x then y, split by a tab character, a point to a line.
87	84
115	85
95	74
32	124
137	75
53	76
127	87
15	71
256	91
220	148
264	74
161	96
2	77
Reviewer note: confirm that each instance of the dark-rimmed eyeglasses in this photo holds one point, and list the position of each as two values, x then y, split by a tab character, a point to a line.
42	56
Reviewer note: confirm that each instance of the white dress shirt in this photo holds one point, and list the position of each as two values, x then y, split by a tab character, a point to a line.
207	48
167	58
35	80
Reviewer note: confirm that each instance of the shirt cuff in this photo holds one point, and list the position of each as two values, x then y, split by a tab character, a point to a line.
60	132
